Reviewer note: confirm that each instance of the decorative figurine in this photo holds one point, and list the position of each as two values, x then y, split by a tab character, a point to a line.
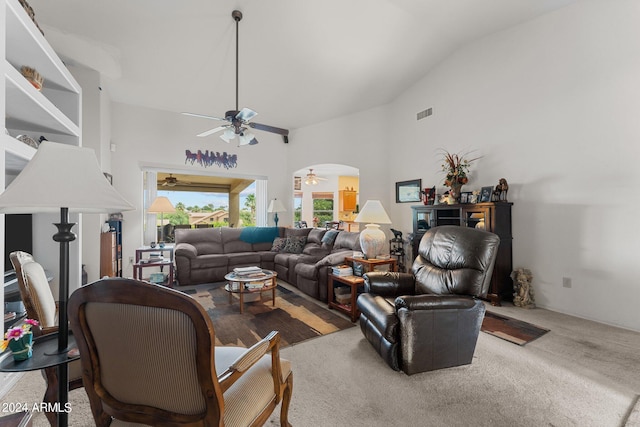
500	193
522	290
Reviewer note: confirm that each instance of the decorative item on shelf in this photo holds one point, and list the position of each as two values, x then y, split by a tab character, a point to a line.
428	195
485	194
32	76
275	206
19	339
456	167
500	193
28	140
152	244
31	14
161	205
372	239
478	219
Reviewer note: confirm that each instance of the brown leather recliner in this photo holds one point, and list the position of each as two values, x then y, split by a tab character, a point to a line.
430	318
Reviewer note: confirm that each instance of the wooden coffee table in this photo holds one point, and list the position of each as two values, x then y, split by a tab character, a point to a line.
241	285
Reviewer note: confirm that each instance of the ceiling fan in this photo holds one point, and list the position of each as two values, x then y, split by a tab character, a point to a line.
312	178
239	120
172	181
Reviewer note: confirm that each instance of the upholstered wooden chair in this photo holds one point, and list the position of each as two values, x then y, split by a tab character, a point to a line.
41	306
148	357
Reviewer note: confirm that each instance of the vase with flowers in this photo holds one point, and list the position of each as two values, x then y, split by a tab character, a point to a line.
19	339
456	166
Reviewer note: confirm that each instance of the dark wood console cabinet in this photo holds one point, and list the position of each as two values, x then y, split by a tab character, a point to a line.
492	216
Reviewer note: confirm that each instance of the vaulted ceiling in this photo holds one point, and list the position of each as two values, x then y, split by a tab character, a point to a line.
301	62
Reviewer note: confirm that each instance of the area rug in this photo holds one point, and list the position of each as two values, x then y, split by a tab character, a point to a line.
510	329
294	316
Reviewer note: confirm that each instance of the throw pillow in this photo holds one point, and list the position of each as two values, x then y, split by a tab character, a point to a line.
295	244
330	237
278	244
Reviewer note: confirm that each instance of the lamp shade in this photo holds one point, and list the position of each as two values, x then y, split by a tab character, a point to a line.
373	212
62	176
276	206
372	239
161	205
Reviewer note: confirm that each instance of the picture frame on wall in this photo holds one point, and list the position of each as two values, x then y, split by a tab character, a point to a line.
485	194
408	191
297	183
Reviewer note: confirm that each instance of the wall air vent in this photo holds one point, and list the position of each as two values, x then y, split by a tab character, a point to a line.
425	113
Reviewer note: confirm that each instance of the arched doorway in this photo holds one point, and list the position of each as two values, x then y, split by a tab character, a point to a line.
328	193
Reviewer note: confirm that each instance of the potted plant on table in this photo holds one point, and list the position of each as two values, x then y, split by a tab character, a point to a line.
19	339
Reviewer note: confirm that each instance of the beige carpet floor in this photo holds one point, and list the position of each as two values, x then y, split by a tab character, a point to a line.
581	373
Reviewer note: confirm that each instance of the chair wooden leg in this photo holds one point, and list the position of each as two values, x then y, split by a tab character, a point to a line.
51	394
286	400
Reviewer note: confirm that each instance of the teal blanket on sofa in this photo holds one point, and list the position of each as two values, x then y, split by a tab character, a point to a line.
259	234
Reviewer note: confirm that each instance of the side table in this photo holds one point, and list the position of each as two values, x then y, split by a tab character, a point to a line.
371	264
142	263
353	282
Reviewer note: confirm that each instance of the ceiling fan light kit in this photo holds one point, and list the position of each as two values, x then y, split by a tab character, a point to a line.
239	120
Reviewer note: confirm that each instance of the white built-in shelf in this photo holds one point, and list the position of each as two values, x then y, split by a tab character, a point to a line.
26	107
25	45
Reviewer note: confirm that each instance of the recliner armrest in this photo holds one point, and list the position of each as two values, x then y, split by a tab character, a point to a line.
389	283
434	302
186	250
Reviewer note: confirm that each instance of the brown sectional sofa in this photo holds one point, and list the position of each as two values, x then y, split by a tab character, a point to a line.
206	255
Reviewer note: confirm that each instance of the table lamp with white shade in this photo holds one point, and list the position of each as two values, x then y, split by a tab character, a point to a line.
276	206
372	239
161	205
62	178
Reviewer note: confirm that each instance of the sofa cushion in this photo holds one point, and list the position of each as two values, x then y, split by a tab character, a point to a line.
243	258
278	244
347	240
316	235
297	231
209	261
330	237
231	242
295	244
205	240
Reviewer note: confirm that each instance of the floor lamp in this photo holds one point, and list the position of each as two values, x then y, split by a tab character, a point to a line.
65	179
161	205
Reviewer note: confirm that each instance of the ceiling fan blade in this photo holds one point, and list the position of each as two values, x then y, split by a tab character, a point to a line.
246	114
164	184
268	128
212	131
205	117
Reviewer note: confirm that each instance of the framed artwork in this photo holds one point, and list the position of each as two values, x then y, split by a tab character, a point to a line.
485	194
408	191
297	183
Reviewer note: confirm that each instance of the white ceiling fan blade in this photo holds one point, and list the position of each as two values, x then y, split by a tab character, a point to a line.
211	131
246	114
204	117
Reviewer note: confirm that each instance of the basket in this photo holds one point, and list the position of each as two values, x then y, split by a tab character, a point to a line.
32	76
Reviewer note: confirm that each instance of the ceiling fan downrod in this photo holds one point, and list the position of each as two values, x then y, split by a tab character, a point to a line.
237	16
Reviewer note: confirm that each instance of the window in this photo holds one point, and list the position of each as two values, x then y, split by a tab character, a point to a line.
297	206
323	207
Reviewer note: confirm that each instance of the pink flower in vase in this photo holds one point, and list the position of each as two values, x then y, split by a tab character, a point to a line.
15	333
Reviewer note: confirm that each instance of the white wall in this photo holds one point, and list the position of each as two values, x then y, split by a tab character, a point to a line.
154	138
552	106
